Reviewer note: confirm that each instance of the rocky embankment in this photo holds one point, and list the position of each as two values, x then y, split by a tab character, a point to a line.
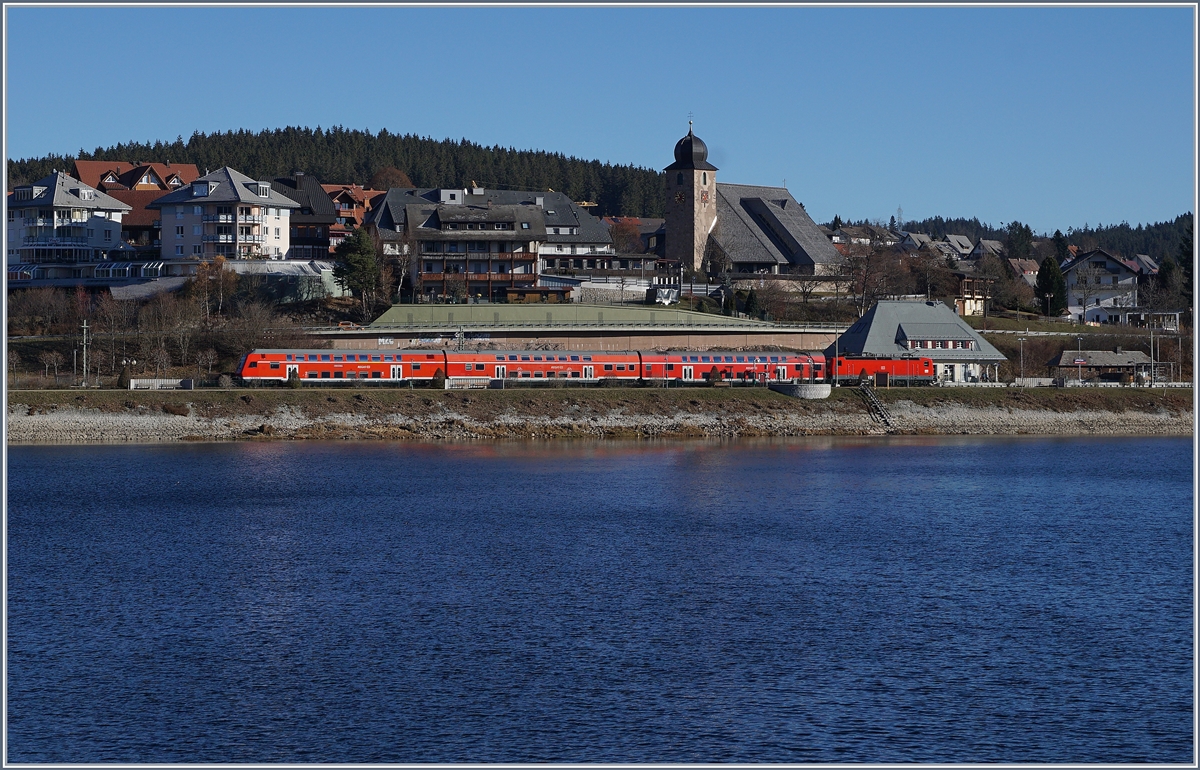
115	417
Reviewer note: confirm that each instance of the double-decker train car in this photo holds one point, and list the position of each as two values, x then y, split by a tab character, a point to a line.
891	371
736	367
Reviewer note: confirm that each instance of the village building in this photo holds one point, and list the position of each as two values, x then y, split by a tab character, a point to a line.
227	214
986	248
1098	281
961	245
742	228
900	329
1115	365
311	222
351	202
59	227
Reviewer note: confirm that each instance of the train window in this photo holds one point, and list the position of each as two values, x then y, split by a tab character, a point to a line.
693	359
325	375
537	374
524	358
274	364
562	374
416	367
585	358
524	374
289	356
537	358
376	375
512	373
799	368
311	375
608	367
324	356
574	358
620	367
499	358
398	358
338	375
562	358
704	359
376	358
741	359
512	358
670	367
337	358
774	359
350	375
574	374
429	356
253	364
729	359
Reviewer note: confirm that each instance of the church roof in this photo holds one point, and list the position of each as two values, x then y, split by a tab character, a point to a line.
767	225
691	153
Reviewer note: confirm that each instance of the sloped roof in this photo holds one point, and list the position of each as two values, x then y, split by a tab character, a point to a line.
311	195
64	191
883	329
961	243
990	247
139	215
232	187
557	210
1103	358
92	171
767	225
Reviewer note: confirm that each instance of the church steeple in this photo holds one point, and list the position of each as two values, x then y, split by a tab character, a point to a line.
691	210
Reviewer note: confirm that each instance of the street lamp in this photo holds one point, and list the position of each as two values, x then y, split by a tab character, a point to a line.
1049	296
1022	341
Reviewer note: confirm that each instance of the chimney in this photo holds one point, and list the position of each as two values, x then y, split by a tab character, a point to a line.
540	201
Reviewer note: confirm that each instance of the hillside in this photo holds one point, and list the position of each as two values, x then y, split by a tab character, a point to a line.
351	156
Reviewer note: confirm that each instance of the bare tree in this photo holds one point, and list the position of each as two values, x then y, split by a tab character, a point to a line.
161	360
14	362
1087	284
51	358
205	360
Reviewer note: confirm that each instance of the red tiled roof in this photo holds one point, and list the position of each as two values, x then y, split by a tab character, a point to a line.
140	216
92	172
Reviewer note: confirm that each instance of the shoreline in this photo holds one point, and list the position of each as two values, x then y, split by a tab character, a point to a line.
125	417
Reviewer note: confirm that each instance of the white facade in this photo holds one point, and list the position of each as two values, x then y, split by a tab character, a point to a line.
79	224
232	229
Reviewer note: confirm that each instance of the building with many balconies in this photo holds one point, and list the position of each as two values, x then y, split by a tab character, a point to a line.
63	224
224	213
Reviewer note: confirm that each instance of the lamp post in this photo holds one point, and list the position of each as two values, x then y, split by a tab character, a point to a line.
1049	296
1022	341
1151	349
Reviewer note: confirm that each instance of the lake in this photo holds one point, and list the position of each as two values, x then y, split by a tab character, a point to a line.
819	600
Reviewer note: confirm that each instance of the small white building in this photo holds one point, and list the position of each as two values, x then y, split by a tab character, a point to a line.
1096	282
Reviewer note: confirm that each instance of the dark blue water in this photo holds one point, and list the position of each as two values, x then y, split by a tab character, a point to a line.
935	600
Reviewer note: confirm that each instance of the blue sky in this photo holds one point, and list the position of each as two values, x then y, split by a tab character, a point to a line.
1056	117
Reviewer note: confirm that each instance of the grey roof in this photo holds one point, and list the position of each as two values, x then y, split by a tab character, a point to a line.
557	210
920	239
767	225
427	219
147	289
961	243
1103	358
883	330
279	267
990	247
231	187
314	204
62	190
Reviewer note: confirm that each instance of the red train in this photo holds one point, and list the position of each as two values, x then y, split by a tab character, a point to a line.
883	371
529	366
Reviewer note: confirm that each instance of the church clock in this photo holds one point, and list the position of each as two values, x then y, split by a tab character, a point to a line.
680	197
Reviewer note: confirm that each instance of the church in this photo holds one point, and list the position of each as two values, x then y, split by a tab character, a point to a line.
744	229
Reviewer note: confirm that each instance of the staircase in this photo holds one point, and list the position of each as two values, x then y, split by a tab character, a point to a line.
875	406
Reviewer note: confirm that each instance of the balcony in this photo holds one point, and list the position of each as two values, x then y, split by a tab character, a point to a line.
223	238
247	220
250	239
157	224
44	241
218	218
38	222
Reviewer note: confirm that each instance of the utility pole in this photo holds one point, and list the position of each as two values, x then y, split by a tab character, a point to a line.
1022	341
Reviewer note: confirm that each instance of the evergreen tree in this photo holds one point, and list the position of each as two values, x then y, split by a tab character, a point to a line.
892	223
1018	242
1187	261
836	223
1050	280
752	307
1061	252
358	269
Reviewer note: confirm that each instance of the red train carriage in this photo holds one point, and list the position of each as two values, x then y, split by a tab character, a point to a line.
746	368
883	371
530	366
326	366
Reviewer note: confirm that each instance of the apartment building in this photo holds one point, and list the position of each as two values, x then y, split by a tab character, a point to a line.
62	225
224	213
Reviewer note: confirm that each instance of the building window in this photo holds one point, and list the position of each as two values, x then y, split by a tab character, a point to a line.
196	230
179	251
704	178
524	225
198	249
179	211
108	237
276	232
264	190
179	231
679	178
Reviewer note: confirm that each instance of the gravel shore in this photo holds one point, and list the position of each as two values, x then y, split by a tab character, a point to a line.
69	424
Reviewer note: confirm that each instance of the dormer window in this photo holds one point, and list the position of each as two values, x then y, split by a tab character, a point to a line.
87	195
452	226
24	193
264	190
200	189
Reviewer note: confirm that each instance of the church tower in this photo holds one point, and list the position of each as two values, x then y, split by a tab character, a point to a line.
691	201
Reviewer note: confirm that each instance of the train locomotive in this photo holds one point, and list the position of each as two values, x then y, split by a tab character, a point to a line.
531	367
